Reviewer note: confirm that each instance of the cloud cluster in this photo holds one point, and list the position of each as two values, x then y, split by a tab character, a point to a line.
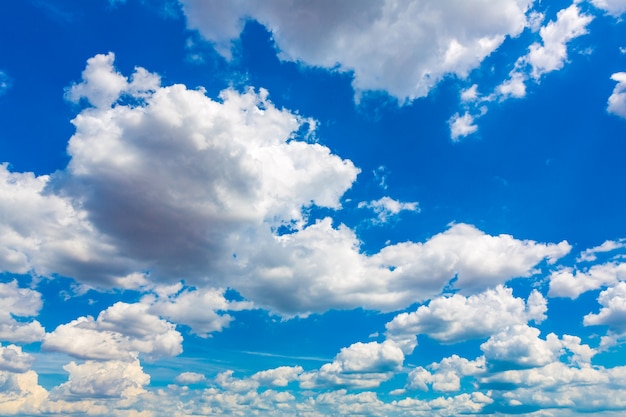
19	303
403	48
457	318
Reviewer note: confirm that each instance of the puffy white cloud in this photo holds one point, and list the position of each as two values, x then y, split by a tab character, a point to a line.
571	282
22	303
457	318
361	365
613	311
613	7
277	377
119	333
190	378
617	100
446	375
223	167
387	207
321	267
12	359
461	126
230	172
436	38
570	23
95	379
518	347
21	393
195	307
515	86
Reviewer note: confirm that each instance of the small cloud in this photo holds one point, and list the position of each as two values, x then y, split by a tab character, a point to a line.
470	94
461	126
387	207
617	100
190	378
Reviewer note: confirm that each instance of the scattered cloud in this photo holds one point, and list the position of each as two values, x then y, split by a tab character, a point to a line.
613	7
571	282
387	207
17	305
436	39
461	126
617	100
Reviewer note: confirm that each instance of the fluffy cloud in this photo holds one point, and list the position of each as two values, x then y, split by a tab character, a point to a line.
387	207
518	347
332	273
617	100
458	318
461	126
613	311
190	378
436	38
361	365
94	379
548	55
570	23
119	333
613	7
169	184
590	255
571	282
277	377
446	375
195	307
12	359
22	303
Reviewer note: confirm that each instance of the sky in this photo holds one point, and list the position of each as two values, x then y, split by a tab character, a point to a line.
325	208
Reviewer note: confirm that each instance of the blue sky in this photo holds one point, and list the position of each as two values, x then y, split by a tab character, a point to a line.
282	208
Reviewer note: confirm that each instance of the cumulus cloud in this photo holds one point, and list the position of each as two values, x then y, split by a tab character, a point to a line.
461	126
387	207
277	377
457	318
571	282
190	378
548	55
199	308
613	7
20	303
361	365
436	38
518	347
169	184
12	359
445	376
120	332
96	379
617	100
613	311
321	267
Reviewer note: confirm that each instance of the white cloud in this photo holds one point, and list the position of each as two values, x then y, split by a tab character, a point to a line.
197	308
571	282
321	267
518	347
22	303
94	379
119	333
190	378
461	126
613	311
277	377
613	7
456	318
445	376
361	365
230	172
470	94
515	86
552	54
617	100
13	359
436	38
387	207
590	255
